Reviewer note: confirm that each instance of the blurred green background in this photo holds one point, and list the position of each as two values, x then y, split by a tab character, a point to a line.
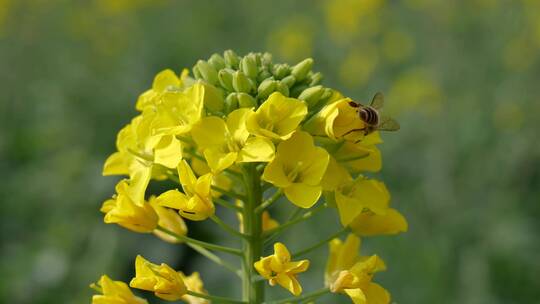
461	76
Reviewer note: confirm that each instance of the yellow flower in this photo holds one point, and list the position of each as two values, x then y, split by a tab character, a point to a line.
114	292
220	180
355	196
196	201
369	223
164	281
337	121
168	219
194	283
298	169
139	152
348	272
225	143
122	210
165	80
277	118
177	111
363	156
278	268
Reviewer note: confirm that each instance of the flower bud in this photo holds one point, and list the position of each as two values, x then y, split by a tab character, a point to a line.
231	103
311	95
225	79
327	93
231	59
217	62
281	70
266	60
301	70
196	72
241	83
246	101
248	65
316	79
283	88
289	80
263	75
267	87
208	73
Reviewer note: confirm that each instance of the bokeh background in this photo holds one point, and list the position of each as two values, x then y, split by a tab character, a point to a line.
462	77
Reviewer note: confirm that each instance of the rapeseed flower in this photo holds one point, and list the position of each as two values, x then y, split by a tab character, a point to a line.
278	269
164	281
114	292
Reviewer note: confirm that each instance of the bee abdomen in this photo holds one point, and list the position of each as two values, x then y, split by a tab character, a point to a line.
369	115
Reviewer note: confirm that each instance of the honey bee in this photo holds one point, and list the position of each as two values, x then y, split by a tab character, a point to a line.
372	118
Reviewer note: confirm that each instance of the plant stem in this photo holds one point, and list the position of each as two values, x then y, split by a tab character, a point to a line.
226	204
214	299
206	245
309	296
214	258
281	228
229	193
228	228
320	243
252	291
269	201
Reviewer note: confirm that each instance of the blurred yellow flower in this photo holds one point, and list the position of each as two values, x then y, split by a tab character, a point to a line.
196	201
170	220
292	40
369	223
278	269
164	281
114	292
194	283
225	143
277	118
355	196
298	169
417	90
122	210
348	18
358	66
347	272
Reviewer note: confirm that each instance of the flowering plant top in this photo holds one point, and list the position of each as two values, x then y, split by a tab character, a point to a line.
245	133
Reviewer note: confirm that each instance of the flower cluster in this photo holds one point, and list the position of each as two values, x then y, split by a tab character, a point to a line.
244	133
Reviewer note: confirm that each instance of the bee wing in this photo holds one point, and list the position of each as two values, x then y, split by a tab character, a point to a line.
388	124
378	101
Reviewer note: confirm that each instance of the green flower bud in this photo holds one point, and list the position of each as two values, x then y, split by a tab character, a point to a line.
225	79
263	75
217	62
280	71
196	72
231	59
311	95
326	94
248	65
301	70
283	88
246	101
241	83
266	60
289	80
231	103
267	87
297	89
316	79
208	73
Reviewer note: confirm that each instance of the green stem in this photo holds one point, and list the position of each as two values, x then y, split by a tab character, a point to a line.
206	245
320	243
214	258
309	296
228	228
269	201
252	291
214	299
226	204
229	193
271	234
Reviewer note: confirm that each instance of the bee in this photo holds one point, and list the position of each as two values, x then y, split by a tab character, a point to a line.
372	118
